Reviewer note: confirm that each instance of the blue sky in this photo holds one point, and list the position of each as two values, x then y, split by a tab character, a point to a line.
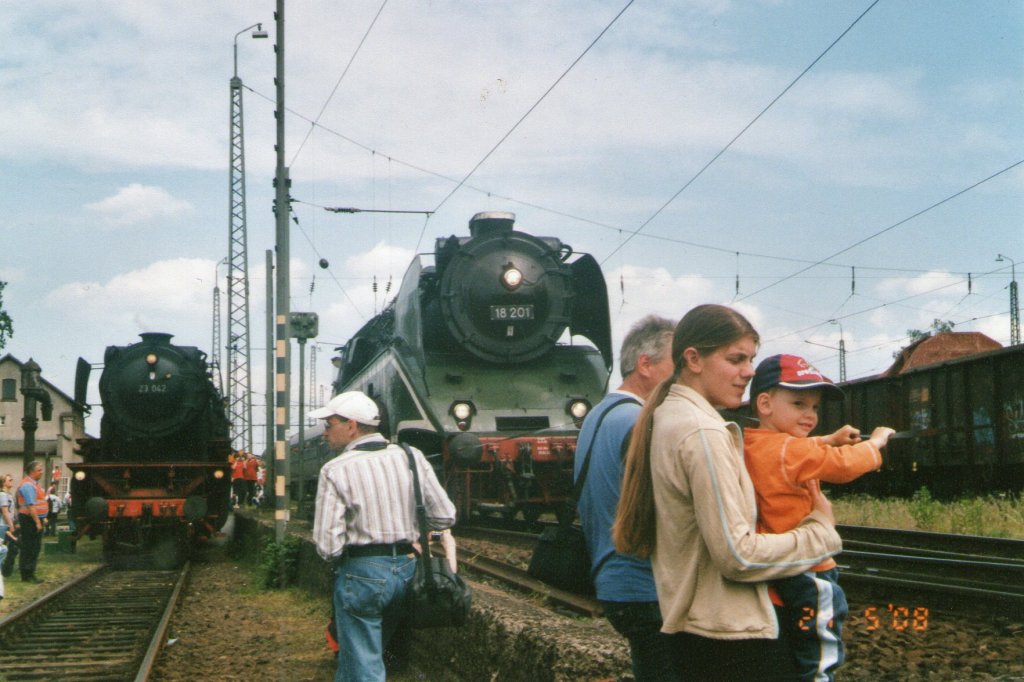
114	160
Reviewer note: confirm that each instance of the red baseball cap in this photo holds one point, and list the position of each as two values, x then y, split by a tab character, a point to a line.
793	372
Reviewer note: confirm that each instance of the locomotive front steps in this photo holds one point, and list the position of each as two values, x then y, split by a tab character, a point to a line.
505	638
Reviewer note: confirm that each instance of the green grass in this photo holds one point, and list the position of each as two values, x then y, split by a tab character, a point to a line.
55	568
1000	516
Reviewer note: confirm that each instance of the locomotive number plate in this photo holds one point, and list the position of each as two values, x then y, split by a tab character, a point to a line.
507	313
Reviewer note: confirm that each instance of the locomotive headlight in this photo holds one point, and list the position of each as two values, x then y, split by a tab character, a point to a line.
218	474
151	359
511	277
463	413
79	475
578	409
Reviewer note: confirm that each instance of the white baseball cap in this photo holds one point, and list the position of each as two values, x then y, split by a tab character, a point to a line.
354	405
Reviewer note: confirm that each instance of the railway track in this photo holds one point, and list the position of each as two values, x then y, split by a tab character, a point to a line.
923	542
513	575
519	579
956	570
961	570
107	625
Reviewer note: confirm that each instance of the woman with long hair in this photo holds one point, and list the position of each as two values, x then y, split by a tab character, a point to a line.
688	503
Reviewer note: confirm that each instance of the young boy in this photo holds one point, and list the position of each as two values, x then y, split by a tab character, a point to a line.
786	393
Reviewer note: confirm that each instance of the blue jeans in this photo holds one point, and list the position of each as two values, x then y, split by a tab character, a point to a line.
649	648
369	603
3	556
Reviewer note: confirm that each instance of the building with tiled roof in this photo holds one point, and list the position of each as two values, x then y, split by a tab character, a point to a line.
940	347
55	438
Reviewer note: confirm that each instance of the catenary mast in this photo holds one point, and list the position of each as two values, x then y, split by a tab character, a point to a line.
239	388
215	346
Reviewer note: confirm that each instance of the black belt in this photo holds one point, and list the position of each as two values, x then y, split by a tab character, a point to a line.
393	549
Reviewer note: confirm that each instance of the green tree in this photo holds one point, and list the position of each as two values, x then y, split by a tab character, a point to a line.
6	325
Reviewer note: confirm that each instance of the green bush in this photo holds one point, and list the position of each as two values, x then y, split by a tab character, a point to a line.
925	510
279	563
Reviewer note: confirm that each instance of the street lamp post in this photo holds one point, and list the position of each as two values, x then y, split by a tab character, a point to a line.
258	33
1014	307
239	384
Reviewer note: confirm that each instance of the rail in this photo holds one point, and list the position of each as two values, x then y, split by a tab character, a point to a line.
108	625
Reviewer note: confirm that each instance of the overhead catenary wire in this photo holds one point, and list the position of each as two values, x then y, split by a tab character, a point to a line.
525	115
352	59
565	214
333	277
891	227
733	250
886	304
741	132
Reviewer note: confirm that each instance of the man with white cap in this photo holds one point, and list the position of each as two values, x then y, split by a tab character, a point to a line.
365	525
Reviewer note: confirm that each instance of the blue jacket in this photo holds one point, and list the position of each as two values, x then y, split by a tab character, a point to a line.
619	577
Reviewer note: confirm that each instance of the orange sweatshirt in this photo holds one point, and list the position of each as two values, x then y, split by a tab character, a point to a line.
780	464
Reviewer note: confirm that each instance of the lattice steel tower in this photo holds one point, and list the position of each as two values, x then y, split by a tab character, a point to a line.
218	381
239	389
1014	303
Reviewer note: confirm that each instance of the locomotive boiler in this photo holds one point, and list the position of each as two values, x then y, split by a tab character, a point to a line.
157	479
479	362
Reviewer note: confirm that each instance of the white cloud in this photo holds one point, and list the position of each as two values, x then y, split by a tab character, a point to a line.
165	293
936	282
136	204
382	255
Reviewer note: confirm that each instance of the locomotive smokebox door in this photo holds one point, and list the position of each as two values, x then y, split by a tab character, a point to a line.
305	325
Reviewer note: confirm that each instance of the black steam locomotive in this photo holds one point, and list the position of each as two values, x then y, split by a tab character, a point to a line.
960	425
473	364
158	478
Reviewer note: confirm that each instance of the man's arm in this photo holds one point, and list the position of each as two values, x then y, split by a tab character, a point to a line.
329	518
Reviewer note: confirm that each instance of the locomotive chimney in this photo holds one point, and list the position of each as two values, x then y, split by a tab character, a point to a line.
491	222
157	338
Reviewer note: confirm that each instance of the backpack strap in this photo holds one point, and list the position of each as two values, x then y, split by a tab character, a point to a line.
421	518
570	503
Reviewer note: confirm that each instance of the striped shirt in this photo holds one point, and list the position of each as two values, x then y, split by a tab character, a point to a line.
365	497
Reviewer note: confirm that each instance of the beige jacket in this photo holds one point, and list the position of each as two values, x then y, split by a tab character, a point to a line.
709	562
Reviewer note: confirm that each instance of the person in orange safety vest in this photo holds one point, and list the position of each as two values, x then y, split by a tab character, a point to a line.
238	486
32	510
252	467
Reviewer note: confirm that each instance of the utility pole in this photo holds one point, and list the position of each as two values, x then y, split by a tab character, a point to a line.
239	346
283	345
268	481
